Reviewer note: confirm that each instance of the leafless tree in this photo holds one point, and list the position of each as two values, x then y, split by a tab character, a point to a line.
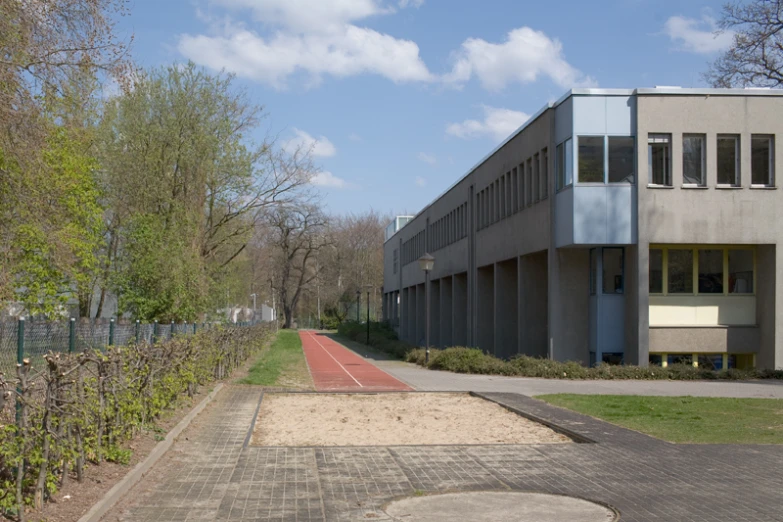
755	58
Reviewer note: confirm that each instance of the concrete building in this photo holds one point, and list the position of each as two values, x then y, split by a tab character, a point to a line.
640	226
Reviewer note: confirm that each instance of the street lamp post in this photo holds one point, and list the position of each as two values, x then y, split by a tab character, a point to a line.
426	262
368	316
358	304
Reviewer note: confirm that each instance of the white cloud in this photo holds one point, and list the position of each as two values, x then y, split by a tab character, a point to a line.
308	15
420	182
498	124
523	57
319	147
697	35
427	158
327	179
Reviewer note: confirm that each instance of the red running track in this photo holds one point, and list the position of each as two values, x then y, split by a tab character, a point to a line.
336	368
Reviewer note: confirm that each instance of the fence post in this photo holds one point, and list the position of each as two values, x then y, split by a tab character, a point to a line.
19	361
155	332
72	335
111	332
138	331
171	333
195	326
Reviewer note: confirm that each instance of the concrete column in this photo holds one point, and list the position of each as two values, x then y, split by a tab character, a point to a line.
435	315
460	309
569	305
768	293
486	308
637	304
446	312
506	309
533	304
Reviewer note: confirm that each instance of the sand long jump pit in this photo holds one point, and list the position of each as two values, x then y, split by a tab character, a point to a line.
392	419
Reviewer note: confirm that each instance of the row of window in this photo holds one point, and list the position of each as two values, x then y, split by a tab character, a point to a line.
449	229
413	248
610	159
693	271
709	361
513	191
694	160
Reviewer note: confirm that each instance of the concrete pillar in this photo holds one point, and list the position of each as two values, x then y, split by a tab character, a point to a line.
446	312
569	305
435	315
460	309
533	304
768	289
506	309
637	305
486	308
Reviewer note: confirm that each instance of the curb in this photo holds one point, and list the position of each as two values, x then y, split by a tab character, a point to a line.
137	473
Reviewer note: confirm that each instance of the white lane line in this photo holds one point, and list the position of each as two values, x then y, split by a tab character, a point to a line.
335	360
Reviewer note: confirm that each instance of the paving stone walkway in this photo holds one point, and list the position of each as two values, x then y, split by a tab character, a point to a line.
211	474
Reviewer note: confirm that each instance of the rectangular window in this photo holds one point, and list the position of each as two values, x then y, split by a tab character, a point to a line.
711	271
498	198
569	163
593	270
680	271
761	161
514	190
612	271
480	210
521	186
529	183
694	167
536	180
559	167
502	197
509	195
591	159
564	164
740	271
396	260
621	159
729	160
659	159
544	174
656	271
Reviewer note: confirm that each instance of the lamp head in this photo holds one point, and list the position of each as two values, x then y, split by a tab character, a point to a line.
426	262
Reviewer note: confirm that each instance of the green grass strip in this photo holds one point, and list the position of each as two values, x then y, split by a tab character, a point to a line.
690	420
284	355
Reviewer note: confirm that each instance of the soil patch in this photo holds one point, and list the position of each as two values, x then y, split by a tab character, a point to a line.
392	419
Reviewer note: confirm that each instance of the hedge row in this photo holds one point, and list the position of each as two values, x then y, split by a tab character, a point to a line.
382	337
80	408
471	360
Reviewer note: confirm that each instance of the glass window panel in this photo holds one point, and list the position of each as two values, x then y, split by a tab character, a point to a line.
680	271
659	159
560	165
536	179
613	271
544	174
515	190
656	359
569	163
656	271
693	160
728	160
740	271
621	159
593	270
711	271
680	359
712	361
761	160
528	183
591	159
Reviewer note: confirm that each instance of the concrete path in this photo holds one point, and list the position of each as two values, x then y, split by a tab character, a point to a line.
334	367
429	380
212	474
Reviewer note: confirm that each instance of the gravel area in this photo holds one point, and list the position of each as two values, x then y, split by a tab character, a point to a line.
392	419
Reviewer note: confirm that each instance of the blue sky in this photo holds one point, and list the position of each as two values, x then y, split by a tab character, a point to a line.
399	98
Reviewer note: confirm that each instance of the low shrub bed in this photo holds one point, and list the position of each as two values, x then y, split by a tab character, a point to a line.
472	360
382	337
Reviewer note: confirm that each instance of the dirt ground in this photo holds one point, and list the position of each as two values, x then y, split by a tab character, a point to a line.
392	419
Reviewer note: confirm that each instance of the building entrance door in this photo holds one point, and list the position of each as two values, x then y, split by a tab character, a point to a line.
607	305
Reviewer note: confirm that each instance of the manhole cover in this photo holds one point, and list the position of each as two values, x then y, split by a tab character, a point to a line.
489	506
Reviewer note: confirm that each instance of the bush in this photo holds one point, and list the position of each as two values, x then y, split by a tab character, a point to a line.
382	337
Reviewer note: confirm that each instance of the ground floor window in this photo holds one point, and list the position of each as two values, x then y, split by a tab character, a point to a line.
709	361
679	270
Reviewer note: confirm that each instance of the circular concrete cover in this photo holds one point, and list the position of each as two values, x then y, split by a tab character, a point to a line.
509	507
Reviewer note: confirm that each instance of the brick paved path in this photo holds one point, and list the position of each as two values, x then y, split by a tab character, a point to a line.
336	368
210	475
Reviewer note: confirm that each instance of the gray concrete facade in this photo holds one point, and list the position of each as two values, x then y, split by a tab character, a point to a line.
615	225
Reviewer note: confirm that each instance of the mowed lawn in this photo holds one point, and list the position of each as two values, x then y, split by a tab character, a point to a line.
282	366
693	420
